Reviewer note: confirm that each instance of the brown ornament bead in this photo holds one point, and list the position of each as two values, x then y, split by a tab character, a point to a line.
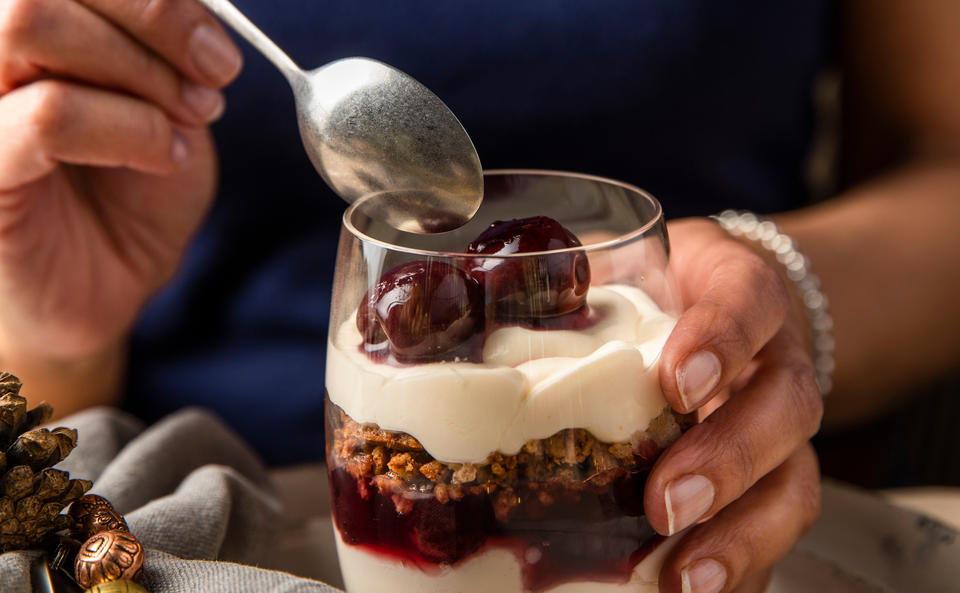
92	514
121	586
108	556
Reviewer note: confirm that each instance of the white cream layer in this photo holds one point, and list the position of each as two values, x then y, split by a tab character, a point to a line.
494	570
531	384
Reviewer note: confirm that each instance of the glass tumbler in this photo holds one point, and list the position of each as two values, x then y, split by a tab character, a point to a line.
493	401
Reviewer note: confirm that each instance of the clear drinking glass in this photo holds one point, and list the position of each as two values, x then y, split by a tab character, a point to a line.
492	417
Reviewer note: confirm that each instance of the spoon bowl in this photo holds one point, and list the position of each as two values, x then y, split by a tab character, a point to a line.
375	133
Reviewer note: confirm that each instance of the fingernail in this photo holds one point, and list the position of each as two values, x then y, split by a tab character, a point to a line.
179	151
703	576
697	376
214	54
204	101
688	498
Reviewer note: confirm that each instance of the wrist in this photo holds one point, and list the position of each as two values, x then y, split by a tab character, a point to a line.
69	385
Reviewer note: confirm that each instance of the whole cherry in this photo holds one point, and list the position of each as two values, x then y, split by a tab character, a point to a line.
421	311
535	287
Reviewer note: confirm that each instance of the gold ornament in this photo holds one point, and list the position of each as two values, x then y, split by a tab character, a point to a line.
92	514
108	556
121	586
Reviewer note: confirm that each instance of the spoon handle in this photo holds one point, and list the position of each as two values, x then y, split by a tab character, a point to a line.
231	15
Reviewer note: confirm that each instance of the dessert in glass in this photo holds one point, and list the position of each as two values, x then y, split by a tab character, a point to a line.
493	401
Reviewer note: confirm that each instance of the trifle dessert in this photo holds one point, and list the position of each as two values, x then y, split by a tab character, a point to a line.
492	417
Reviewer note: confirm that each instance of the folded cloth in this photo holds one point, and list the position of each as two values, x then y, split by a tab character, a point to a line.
193	493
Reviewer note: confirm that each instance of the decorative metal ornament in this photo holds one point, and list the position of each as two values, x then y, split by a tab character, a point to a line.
108	556
33	494
92	514
121	586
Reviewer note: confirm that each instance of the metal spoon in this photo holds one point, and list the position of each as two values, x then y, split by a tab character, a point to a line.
375	133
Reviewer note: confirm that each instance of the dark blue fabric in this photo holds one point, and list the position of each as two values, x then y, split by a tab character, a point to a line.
706	103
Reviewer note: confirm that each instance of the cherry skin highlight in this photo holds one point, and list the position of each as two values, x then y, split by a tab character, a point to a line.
535	287
422	311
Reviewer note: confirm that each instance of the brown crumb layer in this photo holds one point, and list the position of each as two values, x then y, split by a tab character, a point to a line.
561	466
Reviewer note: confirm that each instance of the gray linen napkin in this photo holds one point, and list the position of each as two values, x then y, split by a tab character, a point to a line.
193	493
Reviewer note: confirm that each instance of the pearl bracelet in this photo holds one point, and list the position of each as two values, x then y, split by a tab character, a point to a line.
807	284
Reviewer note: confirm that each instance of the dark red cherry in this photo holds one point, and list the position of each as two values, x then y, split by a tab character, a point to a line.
531	287
422	310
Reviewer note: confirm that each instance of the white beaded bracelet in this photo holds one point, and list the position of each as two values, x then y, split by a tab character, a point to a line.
807	284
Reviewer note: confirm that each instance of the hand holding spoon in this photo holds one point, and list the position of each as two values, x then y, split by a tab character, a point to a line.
375	133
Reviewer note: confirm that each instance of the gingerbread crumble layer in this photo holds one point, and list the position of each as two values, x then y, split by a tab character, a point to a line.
559	467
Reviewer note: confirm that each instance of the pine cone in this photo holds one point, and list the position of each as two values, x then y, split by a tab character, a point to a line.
32	493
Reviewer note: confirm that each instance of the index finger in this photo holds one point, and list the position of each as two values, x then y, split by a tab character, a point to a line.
739	303
180	31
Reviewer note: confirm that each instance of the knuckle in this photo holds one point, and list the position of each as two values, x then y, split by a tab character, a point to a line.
809	504
754	264
731	329
153	13
154	77
805	396
773	291
20	19
8	72
742	462
751	542
807	492
735	547
156	128
731	463
50	106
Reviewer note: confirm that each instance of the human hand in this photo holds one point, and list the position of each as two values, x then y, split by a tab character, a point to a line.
740	350
106	164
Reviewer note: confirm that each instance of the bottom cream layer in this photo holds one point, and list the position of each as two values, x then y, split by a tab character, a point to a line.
494	570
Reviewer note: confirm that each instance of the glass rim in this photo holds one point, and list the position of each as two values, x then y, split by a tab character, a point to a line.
609	243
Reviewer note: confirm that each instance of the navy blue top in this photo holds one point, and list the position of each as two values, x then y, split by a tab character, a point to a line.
706	103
